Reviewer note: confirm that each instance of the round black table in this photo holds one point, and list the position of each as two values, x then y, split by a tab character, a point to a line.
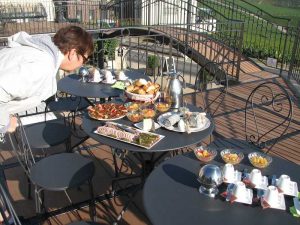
72	85
171	141
171	196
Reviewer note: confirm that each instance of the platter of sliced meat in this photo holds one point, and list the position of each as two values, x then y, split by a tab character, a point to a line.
107	111
129	134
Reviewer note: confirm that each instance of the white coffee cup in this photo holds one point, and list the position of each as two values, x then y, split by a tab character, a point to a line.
108	76
255	177
97	76
239	190
147	124
283	182
121	75
271	195
228	172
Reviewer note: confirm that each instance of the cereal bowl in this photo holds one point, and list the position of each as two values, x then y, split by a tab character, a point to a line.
259	159
232	156
205	155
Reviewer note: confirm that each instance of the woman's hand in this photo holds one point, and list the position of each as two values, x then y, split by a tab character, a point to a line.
13	124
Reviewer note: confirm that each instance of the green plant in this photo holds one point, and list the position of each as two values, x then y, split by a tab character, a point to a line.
153	61
110	45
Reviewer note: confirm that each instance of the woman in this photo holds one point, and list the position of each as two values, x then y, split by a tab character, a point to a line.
28	67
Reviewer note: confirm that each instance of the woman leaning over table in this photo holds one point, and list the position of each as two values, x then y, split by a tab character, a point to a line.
28	67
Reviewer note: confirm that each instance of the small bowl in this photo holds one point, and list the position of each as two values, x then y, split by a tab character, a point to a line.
205	155
231	156
148	111
135	116
132	106
259	159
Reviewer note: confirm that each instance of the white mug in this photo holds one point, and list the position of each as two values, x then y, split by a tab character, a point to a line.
283	182
147	124
255	177
121	75
228	171
271	195
239	189
108	76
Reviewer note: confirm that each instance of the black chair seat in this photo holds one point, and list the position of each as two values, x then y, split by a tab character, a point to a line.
46	135
62	171
71	104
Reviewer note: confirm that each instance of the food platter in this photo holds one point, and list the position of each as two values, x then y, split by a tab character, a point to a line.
107	111
129	134
175	128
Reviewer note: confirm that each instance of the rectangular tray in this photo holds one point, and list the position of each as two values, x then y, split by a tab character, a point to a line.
132	129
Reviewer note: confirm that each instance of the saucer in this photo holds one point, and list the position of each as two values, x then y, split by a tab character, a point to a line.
112	81
237	177
123	78
247	198
263	185
140	125
292	190
279	205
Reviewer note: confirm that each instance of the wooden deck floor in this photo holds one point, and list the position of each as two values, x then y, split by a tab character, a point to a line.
230	117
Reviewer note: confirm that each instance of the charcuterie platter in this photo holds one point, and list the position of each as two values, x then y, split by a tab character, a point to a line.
129	134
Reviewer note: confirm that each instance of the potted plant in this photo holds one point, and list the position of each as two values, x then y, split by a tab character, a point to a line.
153	63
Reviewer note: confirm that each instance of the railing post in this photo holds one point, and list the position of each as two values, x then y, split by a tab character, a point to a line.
284	47
240	50
188	21
297	37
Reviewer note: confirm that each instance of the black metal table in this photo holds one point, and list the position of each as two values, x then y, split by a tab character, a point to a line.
171	196
72	85
171	141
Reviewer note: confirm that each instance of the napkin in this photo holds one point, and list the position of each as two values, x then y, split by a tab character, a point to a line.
294	212
171	120
119	85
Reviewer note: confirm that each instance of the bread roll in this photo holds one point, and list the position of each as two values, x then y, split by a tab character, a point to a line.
140	82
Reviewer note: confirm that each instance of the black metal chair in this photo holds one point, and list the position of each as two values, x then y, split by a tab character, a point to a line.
58	172
268	113
211	77
8	214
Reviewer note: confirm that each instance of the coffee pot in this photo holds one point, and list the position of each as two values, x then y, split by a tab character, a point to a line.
174	89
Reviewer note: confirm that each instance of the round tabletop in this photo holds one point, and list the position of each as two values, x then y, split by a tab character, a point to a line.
171	196
171	141
72	85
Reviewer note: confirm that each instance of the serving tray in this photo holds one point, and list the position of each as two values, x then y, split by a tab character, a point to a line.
137	132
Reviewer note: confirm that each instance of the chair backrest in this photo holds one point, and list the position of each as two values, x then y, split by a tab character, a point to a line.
211	77
268	114
21	147
9	215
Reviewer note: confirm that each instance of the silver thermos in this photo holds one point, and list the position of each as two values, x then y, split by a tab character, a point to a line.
174	89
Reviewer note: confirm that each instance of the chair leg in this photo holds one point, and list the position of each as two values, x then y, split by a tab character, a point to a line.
92	205
29	188
39	200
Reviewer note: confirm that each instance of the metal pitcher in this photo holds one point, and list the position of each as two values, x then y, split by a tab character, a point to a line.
174	89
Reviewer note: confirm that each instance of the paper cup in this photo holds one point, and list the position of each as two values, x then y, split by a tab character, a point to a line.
239	190
271	196
284	182
228	171
255	177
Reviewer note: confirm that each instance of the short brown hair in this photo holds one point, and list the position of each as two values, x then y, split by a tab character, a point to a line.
74	37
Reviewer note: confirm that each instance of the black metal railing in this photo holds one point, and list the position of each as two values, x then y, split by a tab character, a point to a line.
266	36
197	36
294	70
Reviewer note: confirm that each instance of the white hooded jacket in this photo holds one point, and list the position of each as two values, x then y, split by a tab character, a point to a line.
28	68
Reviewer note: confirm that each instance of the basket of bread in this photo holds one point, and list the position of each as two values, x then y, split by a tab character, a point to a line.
142	90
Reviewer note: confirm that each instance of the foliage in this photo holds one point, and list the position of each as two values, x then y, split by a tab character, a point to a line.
153	61
109	45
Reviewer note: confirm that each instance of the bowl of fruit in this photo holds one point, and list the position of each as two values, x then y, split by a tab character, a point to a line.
259	159
232	156
135	116
148	111
204	154
132	106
